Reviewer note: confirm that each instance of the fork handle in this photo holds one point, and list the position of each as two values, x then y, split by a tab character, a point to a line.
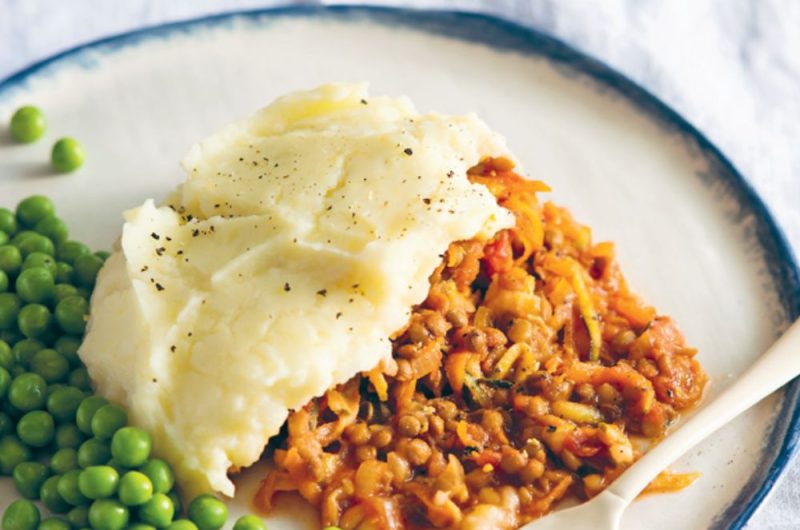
779	365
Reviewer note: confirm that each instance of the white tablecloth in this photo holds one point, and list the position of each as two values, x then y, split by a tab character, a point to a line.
732	67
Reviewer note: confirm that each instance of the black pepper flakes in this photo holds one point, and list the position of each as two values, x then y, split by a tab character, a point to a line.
323	292
159	286
195	232
155	236
426	200
338	315
160	251
287	287
172	348
408	151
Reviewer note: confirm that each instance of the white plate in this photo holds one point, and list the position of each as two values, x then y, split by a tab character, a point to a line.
691	236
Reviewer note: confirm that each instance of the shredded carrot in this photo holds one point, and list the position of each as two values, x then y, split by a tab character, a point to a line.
668	482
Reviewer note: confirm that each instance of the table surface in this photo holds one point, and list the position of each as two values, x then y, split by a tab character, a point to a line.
732	67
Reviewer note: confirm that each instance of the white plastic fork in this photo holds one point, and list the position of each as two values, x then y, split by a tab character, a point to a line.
779	365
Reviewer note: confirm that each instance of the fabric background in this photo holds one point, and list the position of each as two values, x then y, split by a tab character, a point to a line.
732	67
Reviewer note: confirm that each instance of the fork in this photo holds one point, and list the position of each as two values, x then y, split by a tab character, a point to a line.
779	365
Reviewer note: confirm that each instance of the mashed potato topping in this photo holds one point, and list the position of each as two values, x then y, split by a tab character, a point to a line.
297	246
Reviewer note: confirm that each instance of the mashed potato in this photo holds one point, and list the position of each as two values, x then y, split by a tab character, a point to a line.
297	245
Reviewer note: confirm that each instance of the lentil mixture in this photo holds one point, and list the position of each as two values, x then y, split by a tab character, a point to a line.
530	373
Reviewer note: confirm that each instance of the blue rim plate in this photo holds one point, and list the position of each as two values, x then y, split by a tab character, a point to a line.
504	35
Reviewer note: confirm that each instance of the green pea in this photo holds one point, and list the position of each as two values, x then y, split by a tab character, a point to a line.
21	236
68	436
8	221
35	285
3	238
71	314
12	452
79	378
160	474
135	488
54	523
28	392
64	460
62	291
10	259
86	411
29	477
69	251
68	489
98	482
21	514
182	524
93	452
50	496
3	281
6	424
33	209
24	351
78	517
158	511
64	273
141	526
68	347
5	382
36	243
130	446
9	310
107	420
63	403
36	428
67	155
35	321
40	260
107	514
53	228
86	268
208	512
249	522
51	365
28	124
6	357
103	254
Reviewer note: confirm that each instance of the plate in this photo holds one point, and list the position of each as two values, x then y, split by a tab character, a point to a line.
691	234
